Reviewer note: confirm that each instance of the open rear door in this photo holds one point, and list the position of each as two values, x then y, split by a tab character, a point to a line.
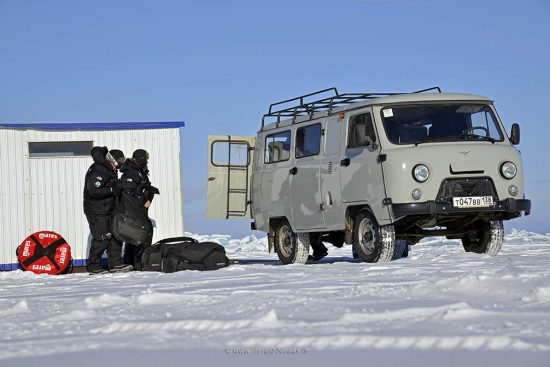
229	170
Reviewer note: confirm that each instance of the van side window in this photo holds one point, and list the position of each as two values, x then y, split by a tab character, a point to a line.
361	131
277	147
308	141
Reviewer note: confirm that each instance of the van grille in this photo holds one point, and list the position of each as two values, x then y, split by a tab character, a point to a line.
450	188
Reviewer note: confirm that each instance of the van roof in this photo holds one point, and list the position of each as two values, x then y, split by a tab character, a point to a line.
404	98
422	97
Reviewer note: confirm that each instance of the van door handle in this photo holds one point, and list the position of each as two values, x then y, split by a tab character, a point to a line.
293	170
345	162
211	178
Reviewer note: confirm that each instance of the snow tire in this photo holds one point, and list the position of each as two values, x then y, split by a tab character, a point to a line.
401	249
372	242
291	248
487	240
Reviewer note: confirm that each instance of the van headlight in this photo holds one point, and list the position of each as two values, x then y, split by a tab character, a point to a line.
508	170
421	173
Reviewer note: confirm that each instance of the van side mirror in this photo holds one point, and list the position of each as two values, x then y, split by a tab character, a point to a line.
515	135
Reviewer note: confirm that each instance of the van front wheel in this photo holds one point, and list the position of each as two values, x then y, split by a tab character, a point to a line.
291	248
485	239
372	242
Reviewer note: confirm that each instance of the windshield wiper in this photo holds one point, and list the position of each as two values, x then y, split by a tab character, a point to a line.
422	141
436	139
452	138
478	137
469	133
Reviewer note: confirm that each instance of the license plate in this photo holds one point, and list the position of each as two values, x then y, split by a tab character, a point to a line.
473	202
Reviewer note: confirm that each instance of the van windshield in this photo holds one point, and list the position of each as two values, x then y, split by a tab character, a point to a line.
441	122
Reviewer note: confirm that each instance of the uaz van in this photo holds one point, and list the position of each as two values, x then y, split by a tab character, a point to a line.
379	171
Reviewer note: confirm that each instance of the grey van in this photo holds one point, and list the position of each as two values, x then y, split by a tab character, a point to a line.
379	171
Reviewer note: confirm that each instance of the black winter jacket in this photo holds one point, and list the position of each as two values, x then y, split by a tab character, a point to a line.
135	183
99	185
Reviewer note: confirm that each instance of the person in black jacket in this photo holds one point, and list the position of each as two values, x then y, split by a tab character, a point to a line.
101	189
118	156
136	188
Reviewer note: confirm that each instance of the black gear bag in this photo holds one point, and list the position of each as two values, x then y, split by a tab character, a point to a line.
182	253
130	222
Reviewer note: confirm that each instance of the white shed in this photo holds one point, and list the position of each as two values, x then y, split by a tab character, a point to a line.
42	179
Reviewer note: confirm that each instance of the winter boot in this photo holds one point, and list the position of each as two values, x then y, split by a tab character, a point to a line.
318	255
98	271
121	268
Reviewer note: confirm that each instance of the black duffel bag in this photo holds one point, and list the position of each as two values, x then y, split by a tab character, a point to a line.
130	222
182	253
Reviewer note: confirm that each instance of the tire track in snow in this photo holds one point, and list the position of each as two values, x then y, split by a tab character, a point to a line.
477	343
266	321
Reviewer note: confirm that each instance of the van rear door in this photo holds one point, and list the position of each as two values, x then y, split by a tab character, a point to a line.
229	170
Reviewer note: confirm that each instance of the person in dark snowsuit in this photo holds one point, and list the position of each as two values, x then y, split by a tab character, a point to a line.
136	187
101	188
118	156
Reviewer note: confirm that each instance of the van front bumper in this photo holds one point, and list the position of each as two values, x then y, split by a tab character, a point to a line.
512	207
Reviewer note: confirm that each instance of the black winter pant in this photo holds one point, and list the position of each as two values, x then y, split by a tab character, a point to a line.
132	255
100	228
316	244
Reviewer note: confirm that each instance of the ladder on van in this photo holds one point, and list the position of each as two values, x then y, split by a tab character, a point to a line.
229	174
243	190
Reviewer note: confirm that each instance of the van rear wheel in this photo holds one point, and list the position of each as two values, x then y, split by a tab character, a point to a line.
485	239
291	248
372	242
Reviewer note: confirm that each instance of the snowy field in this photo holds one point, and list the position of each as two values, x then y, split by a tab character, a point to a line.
438	307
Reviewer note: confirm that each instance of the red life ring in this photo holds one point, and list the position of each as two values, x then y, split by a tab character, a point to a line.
45	252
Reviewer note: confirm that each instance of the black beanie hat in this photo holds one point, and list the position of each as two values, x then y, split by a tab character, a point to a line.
118	155
141	156
99	154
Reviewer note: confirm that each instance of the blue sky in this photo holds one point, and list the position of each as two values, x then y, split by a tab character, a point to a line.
218	64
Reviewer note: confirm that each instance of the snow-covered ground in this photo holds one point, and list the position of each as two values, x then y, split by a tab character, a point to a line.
438	307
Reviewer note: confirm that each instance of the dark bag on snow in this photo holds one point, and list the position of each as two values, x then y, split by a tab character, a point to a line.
131	223
183	253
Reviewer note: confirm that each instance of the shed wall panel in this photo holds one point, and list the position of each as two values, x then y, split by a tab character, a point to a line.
12	188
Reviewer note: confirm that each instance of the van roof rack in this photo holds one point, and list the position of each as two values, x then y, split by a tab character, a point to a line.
325	104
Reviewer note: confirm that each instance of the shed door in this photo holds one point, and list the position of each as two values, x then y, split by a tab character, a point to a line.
229	170
53	190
